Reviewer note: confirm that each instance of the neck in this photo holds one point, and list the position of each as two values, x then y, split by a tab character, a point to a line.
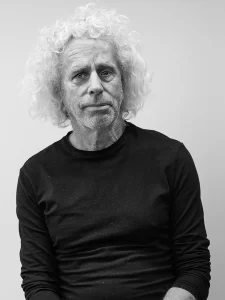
96	139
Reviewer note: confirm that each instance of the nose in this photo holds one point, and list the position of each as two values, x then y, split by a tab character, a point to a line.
95	86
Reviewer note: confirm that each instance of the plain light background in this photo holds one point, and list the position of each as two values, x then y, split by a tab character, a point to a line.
183	43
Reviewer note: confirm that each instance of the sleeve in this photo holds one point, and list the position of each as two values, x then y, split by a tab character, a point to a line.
191	256
38	271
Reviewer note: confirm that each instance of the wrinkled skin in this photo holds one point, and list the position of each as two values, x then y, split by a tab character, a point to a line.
92	93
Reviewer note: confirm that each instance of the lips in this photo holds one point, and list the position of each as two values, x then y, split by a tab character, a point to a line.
97	105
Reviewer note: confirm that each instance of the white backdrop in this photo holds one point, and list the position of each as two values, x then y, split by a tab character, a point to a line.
183	43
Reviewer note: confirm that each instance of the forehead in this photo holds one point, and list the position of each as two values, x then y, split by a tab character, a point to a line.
87	51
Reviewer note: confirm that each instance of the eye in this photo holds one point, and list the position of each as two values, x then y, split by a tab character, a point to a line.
81	76
106	73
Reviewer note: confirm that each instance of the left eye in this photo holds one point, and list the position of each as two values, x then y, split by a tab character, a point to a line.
105	73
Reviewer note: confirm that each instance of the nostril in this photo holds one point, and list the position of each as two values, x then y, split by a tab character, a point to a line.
95	91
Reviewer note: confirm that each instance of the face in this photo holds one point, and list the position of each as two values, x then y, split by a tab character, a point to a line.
91	83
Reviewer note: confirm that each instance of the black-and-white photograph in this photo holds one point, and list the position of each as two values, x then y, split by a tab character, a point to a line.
113	150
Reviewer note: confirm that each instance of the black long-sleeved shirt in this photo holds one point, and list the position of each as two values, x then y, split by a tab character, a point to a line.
125	222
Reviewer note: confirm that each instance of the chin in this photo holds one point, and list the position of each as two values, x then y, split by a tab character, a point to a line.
100	122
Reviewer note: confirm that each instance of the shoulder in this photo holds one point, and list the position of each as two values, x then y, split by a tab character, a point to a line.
162	148
41	160
155	140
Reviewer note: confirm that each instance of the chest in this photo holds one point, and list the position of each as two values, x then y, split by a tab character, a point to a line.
109	204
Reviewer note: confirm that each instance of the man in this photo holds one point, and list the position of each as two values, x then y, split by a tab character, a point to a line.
110	211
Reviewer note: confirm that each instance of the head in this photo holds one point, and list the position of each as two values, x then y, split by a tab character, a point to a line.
86	61
91	85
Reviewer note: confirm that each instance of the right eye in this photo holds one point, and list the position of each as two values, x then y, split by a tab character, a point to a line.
81	76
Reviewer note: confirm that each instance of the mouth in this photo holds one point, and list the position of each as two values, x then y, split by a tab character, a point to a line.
98	105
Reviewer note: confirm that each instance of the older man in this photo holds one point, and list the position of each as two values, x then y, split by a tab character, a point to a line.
111	210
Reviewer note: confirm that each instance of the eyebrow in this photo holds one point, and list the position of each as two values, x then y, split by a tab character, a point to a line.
106	65
78	68
83	67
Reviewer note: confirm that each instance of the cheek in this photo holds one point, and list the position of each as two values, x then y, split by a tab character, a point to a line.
119	89
116	88
70	94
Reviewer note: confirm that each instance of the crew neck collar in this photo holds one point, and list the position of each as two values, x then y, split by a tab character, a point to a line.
97	153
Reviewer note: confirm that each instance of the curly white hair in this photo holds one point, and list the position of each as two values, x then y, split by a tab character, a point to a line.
41	83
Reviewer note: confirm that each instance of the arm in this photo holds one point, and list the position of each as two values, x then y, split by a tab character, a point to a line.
191	257
178	294
36	254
